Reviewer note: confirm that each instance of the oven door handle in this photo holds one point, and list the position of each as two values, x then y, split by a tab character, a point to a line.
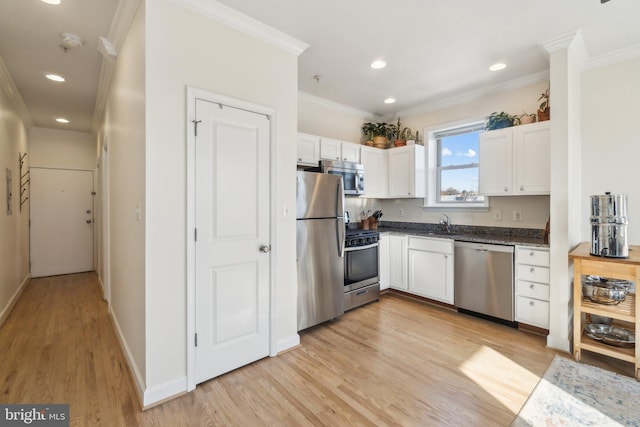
359	248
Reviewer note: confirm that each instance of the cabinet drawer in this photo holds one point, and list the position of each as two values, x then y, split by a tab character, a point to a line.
443	246
532	312
532	290
533	273
532	257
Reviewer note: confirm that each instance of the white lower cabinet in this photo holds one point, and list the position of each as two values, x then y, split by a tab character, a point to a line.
398	262
383	261
532	286
430	268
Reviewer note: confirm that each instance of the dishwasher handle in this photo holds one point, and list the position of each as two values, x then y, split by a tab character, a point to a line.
485	247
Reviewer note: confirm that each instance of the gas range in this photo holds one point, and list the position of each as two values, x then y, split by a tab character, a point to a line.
357	237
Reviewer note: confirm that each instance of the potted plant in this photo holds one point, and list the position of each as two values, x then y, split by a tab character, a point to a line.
498	121
379	133
544	110
524	119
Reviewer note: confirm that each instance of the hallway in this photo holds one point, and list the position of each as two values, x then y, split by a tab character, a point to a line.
58	346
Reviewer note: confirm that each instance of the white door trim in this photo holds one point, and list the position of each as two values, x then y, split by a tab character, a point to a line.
192	95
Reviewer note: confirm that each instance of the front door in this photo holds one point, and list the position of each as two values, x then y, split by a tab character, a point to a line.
232	246
61	215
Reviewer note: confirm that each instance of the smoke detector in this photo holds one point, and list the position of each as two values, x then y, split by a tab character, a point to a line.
70	40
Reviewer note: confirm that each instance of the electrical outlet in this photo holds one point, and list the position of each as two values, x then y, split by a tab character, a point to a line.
401	212
497	215
517	215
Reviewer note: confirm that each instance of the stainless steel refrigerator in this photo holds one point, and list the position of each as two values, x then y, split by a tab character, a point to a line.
319	247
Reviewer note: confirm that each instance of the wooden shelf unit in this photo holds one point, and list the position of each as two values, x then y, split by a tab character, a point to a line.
585	264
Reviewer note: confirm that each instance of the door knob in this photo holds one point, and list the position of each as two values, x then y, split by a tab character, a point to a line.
88	221
265	248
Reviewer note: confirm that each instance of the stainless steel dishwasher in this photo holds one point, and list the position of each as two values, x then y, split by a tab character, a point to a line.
483	279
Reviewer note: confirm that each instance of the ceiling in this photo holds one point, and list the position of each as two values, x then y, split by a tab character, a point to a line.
434	50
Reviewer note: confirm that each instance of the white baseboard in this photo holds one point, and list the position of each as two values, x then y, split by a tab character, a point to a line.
561	344
288	343
164	392
6	311
138	380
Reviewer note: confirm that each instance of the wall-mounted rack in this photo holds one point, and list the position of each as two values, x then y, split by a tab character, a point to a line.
25	181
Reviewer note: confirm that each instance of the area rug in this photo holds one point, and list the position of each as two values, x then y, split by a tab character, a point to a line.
575	394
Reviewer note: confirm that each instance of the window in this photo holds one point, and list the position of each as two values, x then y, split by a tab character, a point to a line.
453	167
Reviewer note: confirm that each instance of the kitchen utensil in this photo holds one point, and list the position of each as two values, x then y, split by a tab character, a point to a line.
612	335
605	291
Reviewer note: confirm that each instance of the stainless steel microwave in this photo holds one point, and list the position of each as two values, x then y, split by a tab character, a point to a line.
352	175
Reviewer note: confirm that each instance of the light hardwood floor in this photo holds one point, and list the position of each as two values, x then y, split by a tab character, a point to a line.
394	362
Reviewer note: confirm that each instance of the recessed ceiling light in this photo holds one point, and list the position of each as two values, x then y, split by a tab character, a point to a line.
55	77
376	65
389	100
498	66
56	2
62	120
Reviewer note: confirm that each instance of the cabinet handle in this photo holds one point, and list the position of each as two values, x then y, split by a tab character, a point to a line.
506	189
532	303
299	159
531	253
531	286
521	188
532	270
337	158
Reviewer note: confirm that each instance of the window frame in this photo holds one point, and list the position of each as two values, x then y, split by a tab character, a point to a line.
433	176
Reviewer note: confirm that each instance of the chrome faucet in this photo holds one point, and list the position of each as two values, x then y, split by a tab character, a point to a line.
446	223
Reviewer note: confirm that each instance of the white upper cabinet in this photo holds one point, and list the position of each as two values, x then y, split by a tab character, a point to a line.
496	162
374	161
312	148
333	149
406	172
515	160
532	146
351	152
308	149
330	149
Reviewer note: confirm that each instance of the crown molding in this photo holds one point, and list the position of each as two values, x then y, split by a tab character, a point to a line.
542	76
9	87
122	20
303	96
626	54
572	41
234	19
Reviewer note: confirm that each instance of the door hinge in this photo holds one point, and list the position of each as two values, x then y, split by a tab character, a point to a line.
195	234
196	339
195	126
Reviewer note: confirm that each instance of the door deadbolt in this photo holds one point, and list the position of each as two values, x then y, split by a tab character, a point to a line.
265	248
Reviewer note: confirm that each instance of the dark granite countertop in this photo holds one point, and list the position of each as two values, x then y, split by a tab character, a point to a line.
467	233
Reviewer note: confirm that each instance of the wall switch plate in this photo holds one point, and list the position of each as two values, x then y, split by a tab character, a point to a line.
517	215
497	215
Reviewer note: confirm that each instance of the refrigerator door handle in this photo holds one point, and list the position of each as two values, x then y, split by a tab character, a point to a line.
340	199
340	233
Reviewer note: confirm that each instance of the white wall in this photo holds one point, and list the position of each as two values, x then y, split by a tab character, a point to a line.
123	129
610	139
14	243
188	49
55	148
323	118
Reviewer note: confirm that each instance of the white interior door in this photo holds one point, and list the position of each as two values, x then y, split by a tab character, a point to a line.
61	217
232	222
